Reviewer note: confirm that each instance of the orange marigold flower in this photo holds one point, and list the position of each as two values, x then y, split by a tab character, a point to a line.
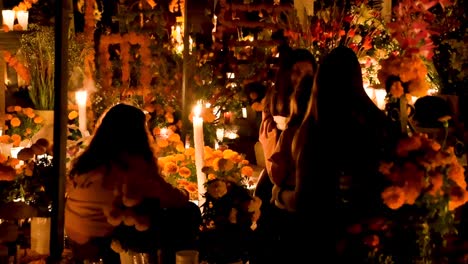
28	110
18	108
393	197
170	167
174	137
169	117
247	171
162	143
15	122
72	115
38	120
16	137
10	108
185	172
191	187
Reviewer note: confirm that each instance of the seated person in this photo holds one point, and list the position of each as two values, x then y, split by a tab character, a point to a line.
119	163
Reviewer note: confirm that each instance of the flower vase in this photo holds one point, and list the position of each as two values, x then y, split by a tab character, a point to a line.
131	257
47	131
40	235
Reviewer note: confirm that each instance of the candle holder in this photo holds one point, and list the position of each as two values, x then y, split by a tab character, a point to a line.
22	17
8	18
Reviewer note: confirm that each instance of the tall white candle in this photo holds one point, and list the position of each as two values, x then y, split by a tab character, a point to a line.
244	112
22	17
81	98
199	152
8	18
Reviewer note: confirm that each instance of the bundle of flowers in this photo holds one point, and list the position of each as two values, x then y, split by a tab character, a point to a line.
25	178
359	27
411	72
427	185
230	212
20	124
133	216
177	164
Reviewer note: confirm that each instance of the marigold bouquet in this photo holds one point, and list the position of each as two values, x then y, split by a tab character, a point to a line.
427	184
26	178
177	164
411	70
20	123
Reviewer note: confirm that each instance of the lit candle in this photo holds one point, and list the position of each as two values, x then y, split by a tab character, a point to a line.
22	17
244	112
227	118
81	98
199	152
220	134
8	18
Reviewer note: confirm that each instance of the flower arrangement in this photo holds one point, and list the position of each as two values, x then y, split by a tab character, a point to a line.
20	123
133	217
177	164
359	27
426	186
38	51
411	71
26	178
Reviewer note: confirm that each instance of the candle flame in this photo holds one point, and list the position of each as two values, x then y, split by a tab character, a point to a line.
197	110
81	97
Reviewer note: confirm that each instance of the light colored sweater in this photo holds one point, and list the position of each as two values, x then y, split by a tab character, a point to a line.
84	215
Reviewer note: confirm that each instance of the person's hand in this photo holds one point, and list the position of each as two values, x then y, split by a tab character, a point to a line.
274	193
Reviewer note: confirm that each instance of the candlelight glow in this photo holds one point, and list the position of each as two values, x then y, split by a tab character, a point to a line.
8	18
22	17
81	97
197	110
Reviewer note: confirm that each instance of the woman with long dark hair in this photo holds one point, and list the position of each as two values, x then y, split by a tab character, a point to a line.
118	161
337	148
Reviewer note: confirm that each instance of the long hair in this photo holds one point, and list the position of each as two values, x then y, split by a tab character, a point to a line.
278	96
300	100
343	131
121	132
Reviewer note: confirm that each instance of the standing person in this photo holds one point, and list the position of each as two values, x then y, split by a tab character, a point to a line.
297	64
119	156
337	148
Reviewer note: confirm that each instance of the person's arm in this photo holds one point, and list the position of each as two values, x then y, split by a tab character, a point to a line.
307	168
281	160
146	181
168	195
268	137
